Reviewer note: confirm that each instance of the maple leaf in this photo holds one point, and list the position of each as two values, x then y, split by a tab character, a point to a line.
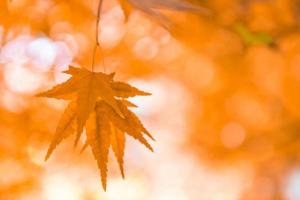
98	102
65	127
98	137
125	90
118	145
106	128
89	86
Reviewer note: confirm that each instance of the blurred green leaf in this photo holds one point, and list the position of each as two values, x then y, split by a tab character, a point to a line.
251	38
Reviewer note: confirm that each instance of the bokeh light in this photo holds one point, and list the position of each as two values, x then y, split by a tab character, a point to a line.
224	109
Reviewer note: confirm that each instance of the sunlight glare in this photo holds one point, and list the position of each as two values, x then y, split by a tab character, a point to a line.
59	187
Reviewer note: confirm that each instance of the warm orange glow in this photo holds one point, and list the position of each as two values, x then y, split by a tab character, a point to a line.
224	110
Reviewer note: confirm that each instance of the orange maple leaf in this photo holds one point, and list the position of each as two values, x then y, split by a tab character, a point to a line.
98	103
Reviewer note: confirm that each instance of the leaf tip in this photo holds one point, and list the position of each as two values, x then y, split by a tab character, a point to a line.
84	147
146	93
42	94
149	135
150	148
104	185
112	75
47	156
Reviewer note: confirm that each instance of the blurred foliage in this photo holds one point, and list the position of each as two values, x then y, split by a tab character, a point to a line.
252	38
238	67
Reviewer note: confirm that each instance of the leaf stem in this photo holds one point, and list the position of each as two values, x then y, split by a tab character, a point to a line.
97	42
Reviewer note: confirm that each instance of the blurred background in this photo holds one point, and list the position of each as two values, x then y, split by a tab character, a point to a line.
225	109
